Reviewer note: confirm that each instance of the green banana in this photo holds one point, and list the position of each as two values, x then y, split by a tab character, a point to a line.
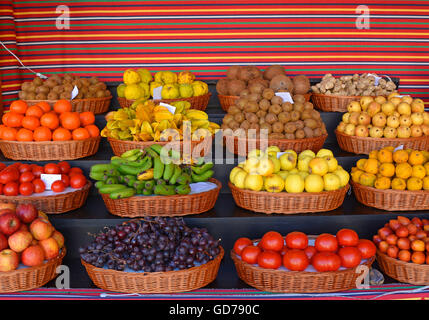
199	162
151	152
111	180
130	153
150	184
98	175
125	193
99	184
157	148
131	182
202	177
158	168
139	191
168	171
126	169
203	168
109	188
101	167
164	190
177	172
183	189
139	184
160	181
184	178
147	192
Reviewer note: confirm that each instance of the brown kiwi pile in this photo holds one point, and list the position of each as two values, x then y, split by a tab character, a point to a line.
60	87
239	78
283	120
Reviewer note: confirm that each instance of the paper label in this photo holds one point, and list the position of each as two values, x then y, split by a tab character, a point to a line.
74	92
49	179
377	78
157	93
279	154
170	108
401	147
285	96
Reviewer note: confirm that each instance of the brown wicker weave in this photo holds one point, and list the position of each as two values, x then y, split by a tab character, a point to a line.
198	103
364	145
402	271
240	145
288	203
96	105
296	281
176	205
391	200
58	203
120	146
50	150
31	277
155	282
331	103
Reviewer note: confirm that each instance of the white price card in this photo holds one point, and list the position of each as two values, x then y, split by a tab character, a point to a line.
401	147
285	96
157	93
377	78
49	179
74	92
170	108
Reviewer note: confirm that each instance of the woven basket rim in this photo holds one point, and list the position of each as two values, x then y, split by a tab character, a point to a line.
49	142
287	194
217	259
388	191
79	100
422	267
370	139
335	96
171	100
147	142
231	97
323	136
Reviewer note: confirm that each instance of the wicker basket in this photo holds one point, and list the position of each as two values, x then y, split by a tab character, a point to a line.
198	103
32	277
296	281
58	203
288	203
155	282
402	271
331	103
364	145
120	146
176	205
50	150
391	200
227	101
239	145
96	105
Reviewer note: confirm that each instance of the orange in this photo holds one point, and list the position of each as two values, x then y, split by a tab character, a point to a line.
46	107
8	133
61	134
3	126
87	118
92	130
34	111
62	106
80	134
70	120
50	120
24	135
42	134
12	119
30	123
18	106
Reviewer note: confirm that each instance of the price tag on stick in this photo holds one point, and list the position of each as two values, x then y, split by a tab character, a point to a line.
49	179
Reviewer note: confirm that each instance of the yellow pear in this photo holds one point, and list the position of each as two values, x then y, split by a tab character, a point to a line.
253	182
233	172
343	175
255	153
318	166
274	183
265	167
332	163
324	152
276	162
303	174
272	149
331	181
307	153
314	183
294	170
287	161
303	163
292	151
251	165
239	179
283	174
294	183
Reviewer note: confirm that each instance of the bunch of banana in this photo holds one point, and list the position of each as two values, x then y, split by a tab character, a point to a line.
149	122
143	172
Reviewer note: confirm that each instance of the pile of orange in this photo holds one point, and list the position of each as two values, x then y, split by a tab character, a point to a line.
41	122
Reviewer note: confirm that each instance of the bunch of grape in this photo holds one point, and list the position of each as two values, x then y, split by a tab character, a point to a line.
153	244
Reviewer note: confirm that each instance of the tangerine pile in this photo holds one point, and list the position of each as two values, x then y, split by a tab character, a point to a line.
41	122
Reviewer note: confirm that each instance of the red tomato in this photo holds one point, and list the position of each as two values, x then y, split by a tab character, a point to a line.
347	238
250	254
271	240
310	251
78	181
384	232
51	168
284	250
295	260
240	244
27	176
404	244
269	260
1	188
37	171
65	179
326	243
58	186
11	189
75	170
404	255
350	257
39	186
24	168
326	261
402	232
367	248
392	251
26	188
64	167
2	166
296	240
9	174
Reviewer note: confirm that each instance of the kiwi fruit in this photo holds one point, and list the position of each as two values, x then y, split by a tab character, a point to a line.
264	104
298	98
58	89
315	114
99	94
233	124
87	95
107	93
268	93
235	87
270	118
68	88
50	83
276	135
275	108
41	96
233	110
241	103
239	117
300	134
93	80
254	97
317	132
298	107
266	126
245	125
22	95
290	127
264	83
85	82
284	117
299	124
261	114
251	117
289	136
277	127
277	100
254	126
31	95
308	132
287	106
252	106
248	73
311	123
244	93
42	89
281	82
25	86
301	84
308	105
306	114
38	81
256	88
54	96
295	115
272	71
91	88
232	72
222	87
